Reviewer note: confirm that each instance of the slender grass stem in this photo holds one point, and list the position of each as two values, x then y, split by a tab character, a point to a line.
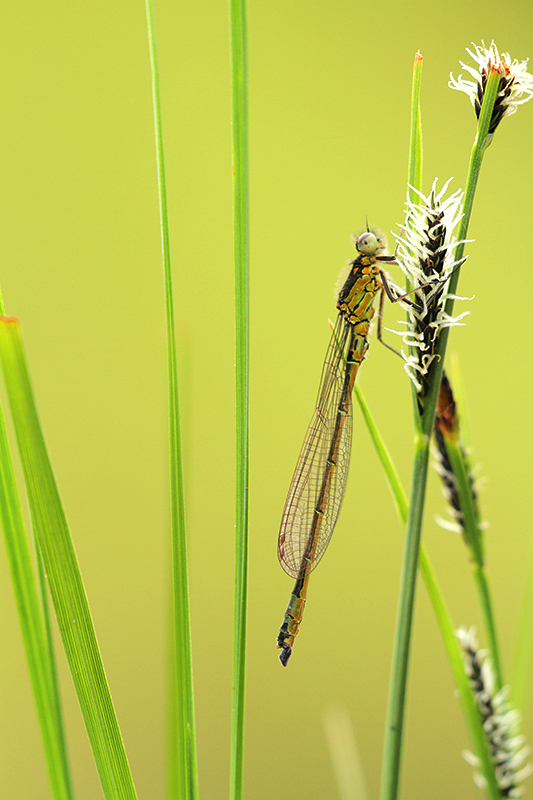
63	573
404	614
183	769
54	678
470	709
424	426
414	174
442	614
521	676
237	13
398	679
470	523
480	577
34	622
481	143
414	180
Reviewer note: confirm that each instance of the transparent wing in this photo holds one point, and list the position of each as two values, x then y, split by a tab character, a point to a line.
311	469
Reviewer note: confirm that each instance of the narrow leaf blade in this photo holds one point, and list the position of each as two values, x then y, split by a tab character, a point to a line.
34	634
63	573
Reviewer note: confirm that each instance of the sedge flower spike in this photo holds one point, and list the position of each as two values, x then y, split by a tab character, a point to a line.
425	254
447	434
500	721
516	83
458	483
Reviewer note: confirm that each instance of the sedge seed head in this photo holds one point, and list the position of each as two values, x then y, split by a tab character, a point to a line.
516	83
501	723
425	253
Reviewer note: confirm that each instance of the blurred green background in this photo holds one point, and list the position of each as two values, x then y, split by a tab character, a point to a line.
329	123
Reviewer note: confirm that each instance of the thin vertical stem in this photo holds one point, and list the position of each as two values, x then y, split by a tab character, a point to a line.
472	533
476	158
414	179
414	176
442	614
398	678
184	779
521	676
390	786
390	777
480	576
237	11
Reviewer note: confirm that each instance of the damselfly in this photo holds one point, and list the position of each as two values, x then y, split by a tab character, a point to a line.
317	488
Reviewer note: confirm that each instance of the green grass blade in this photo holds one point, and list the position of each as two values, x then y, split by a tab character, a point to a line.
523	658
414	172
470	710
415	143
239	103
449	433
393	479
392	748
34	634
183	774
440	609
390	785
474	168
473	539
38	640
62	570
45	604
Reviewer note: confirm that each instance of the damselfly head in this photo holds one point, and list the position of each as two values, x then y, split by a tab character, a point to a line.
372	243
369	242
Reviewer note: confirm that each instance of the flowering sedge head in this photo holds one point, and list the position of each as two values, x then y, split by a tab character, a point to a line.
500	721
447	429
425	253
516	83
458	483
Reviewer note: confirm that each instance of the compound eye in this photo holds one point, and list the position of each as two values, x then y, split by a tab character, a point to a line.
367	243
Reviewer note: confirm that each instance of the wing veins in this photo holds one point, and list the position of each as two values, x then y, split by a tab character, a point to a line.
310	469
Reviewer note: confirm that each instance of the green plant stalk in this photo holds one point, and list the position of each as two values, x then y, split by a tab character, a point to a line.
239	120
480	145
414	174
423	429
183	773
33	626
36	626
521	675
473	540
470	514
442	614
404	614
45	605
414	179
63	574
472	521
390	771
482	584
453	649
